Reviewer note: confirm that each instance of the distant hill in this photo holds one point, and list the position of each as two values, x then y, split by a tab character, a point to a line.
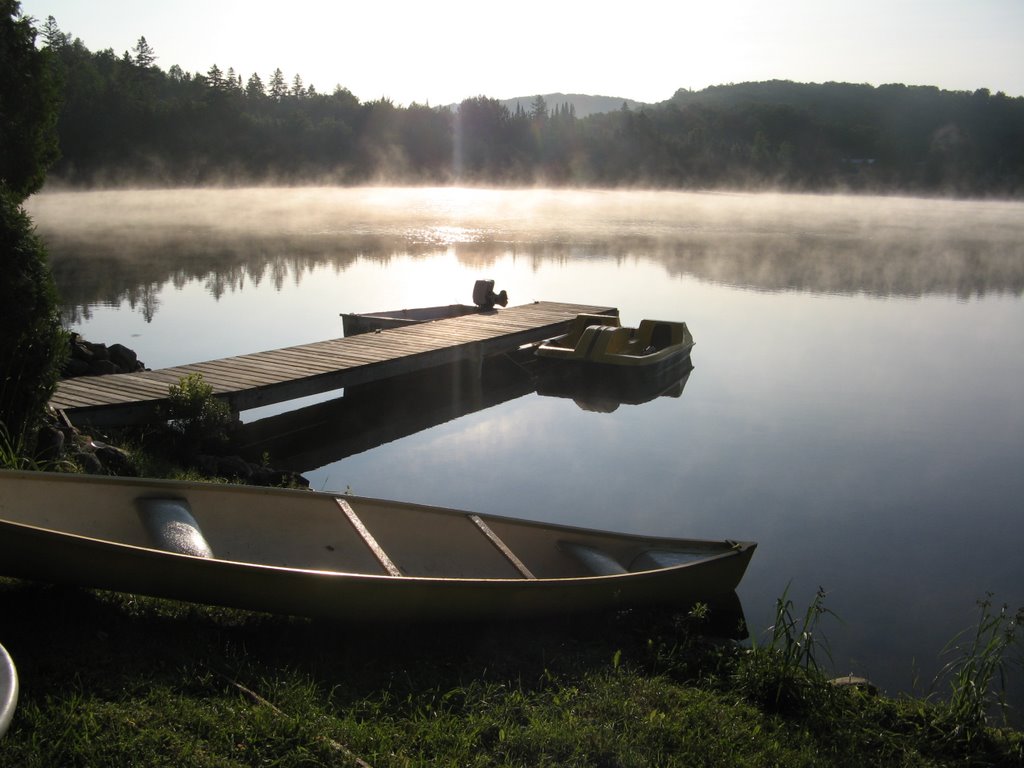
845	103
583	104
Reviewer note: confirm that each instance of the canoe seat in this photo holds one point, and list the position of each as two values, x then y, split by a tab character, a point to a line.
171	527
656	559
596	561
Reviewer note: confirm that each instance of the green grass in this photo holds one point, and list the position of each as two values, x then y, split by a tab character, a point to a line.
112	679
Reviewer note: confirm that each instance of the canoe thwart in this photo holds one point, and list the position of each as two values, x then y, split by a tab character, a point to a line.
596	561
364	532
171	527
501	546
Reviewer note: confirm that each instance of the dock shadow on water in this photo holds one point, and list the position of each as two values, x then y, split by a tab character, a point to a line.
368	416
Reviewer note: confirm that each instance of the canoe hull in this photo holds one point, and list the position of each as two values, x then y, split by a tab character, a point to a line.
356	597
38	552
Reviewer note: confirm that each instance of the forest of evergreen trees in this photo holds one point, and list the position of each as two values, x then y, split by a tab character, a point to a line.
124	120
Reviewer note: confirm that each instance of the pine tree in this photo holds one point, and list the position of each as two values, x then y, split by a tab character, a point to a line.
234	82
28	106
145	56
254	88
277	88
539	108
215	78
52	35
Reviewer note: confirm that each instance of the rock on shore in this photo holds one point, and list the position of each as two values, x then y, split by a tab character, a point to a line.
92	359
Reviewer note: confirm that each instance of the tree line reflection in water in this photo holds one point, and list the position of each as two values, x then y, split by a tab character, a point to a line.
107	251
120	271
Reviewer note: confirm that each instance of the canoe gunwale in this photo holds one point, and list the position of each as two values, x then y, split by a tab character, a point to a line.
739	549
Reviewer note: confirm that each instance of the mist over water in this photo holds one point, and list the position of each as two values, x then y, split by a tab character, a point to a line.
821	244
855	406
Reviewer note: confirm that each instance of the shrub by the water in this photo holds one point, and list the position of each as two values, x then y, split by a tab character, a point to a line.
195	415
32	342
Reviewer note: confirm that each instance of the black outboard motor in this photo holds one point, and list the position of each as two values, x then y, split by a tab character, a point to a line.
485	297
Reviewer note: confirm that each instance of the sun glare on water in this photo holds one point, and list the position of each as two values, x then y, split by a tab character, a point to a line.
444	236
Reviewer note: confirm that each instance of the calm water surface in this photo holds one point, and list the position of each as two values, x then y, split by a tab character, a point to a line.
856	404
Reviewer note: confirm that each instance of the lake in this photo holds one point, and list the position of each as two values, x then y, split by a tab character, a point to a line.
856	404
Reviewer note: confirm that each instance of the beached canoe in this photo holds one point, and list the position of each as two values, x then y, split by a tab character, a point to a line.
600	342
338	556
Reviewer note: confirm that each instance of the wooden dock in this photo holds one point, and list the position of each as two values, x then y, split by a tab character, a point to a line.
278	375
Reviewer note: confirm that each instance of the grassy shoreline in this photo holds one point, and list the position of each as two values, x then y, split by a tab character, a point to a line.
112	679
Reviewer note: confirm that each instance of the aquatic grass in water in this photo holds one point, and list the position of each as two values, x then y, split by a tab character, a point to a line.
977	670
785	672
799	646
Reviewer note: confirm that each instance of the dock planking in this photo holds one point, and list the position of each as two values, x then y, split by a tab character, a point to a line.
277	375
